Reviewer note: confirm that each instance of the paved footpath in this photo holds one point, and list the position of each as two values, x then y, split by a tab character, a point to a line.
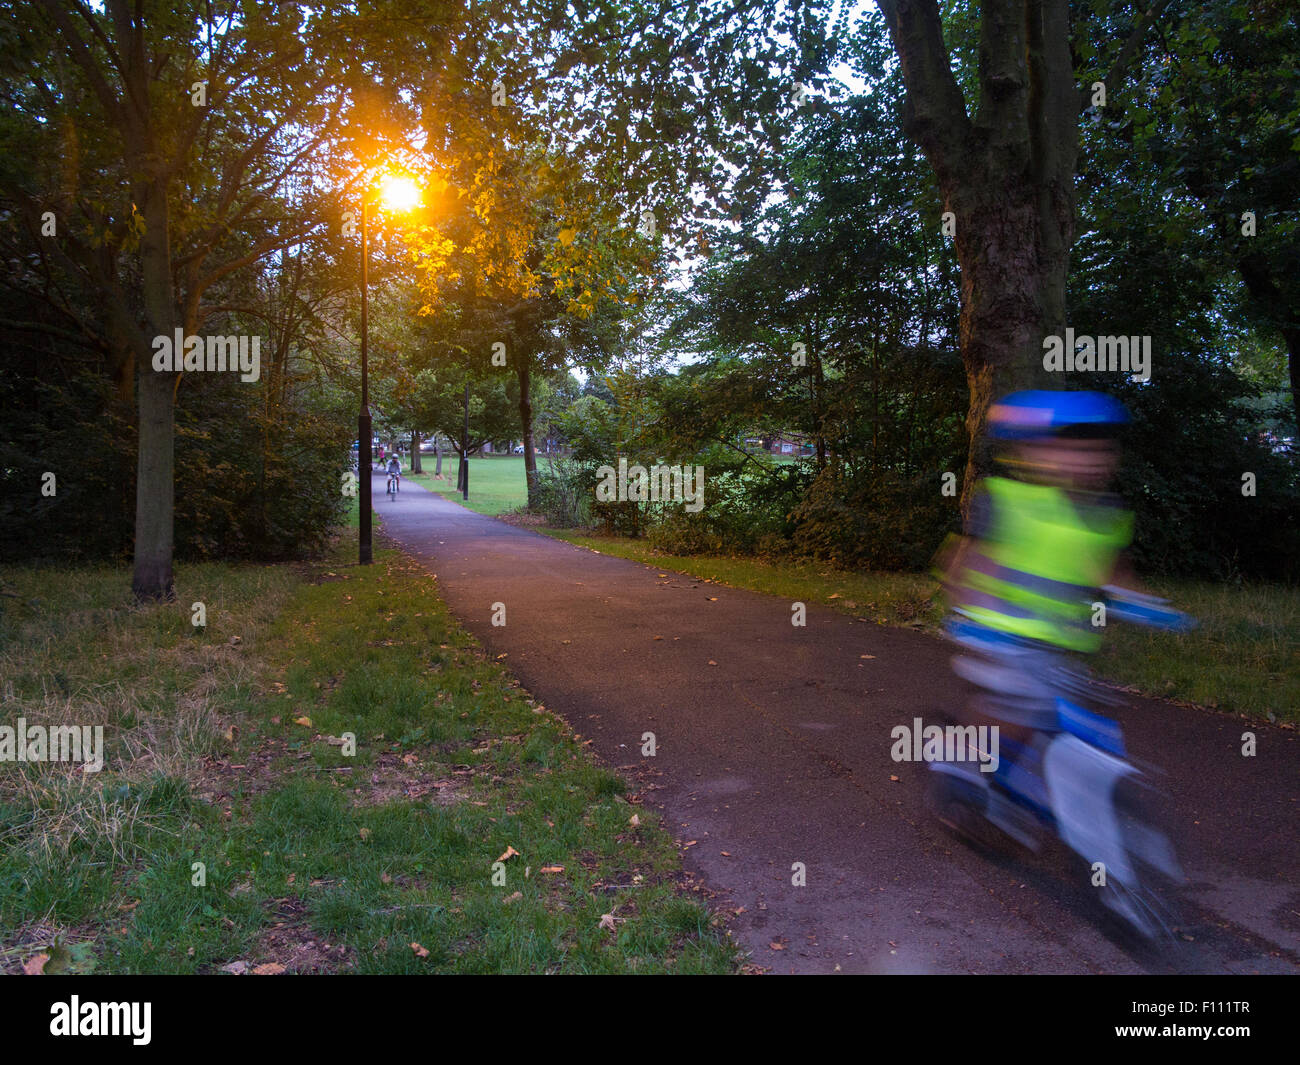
773	748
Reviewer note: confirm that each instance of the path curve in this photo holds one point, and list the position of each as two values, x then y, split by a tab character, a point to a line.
773	748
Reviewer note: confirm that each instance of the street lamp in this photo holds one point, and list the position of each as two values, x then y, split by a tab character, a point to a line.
398	194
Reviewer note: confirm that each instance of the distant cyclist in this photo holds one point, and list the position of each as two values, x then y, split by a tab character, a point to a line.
394	475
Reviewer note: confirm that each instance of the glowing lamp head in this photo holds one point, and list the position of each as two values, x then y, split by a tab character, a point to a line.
399	193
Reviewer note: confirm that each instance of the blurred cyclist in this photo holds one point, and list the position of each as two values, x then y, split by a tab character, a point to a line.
1044	541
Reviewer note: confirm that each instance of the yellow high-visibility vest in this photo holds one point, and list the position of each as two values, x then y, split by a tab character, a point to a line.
1052	557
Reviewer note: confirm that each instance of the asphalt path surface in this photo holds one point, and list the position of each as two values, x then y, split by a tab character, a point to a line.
773	748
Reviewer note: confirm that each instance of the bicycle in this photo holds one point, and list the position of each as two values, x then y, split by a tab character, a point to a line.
394	483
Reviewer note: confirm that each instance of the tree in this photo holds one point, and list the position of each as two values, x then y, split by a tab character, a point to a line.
174	100
1004	153
579	148
1216	119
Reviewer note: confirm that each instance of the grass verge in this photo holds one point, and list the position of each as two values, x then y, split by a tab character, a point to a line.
234	826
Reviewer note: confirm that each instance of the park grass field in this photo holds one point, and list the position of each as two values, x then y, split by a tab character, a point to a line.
497	483
233	829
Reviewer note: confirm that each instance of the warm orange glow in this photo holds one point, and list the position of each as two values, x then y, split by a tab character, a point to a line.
399	193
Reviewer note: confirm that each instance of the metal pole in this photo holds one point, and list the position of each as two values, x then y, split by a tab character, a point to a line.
363	419
464	477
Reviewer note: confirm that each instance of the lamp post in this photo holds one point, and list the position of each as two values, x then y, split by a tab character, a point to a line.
464	462
364	462
399	194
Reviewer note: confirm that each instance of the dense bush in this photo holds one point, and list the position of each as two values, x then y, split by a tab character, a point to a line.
1191	439
874	521
746	510
565	491
80	432
247	485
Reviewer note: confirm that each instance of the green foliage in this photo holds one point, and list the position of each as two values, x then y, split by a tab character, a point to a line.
82	435
1191	440
873	520
249	485
747	510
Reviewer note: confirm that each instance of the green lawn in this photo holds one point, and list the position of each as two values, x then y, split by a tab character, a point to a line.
233	826
497	483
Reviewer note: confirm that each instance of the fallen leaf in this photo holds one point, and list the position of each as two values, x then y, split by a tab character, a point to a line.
866	656
384	878
712	663
512	898
892	777
35	965
510	852
235	968
271	968
74	959
420	952
607	921
776	946
634	821
365	833
551	869
304	720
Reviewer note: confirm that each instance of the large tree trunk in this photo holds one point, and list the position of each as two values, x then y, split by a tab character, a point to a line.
437	454
1013	272
415	453
155	469
522	371
1007	175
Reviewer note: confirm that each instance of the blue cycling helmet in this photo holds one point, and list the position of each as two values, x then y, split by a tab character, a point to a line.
1037	414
